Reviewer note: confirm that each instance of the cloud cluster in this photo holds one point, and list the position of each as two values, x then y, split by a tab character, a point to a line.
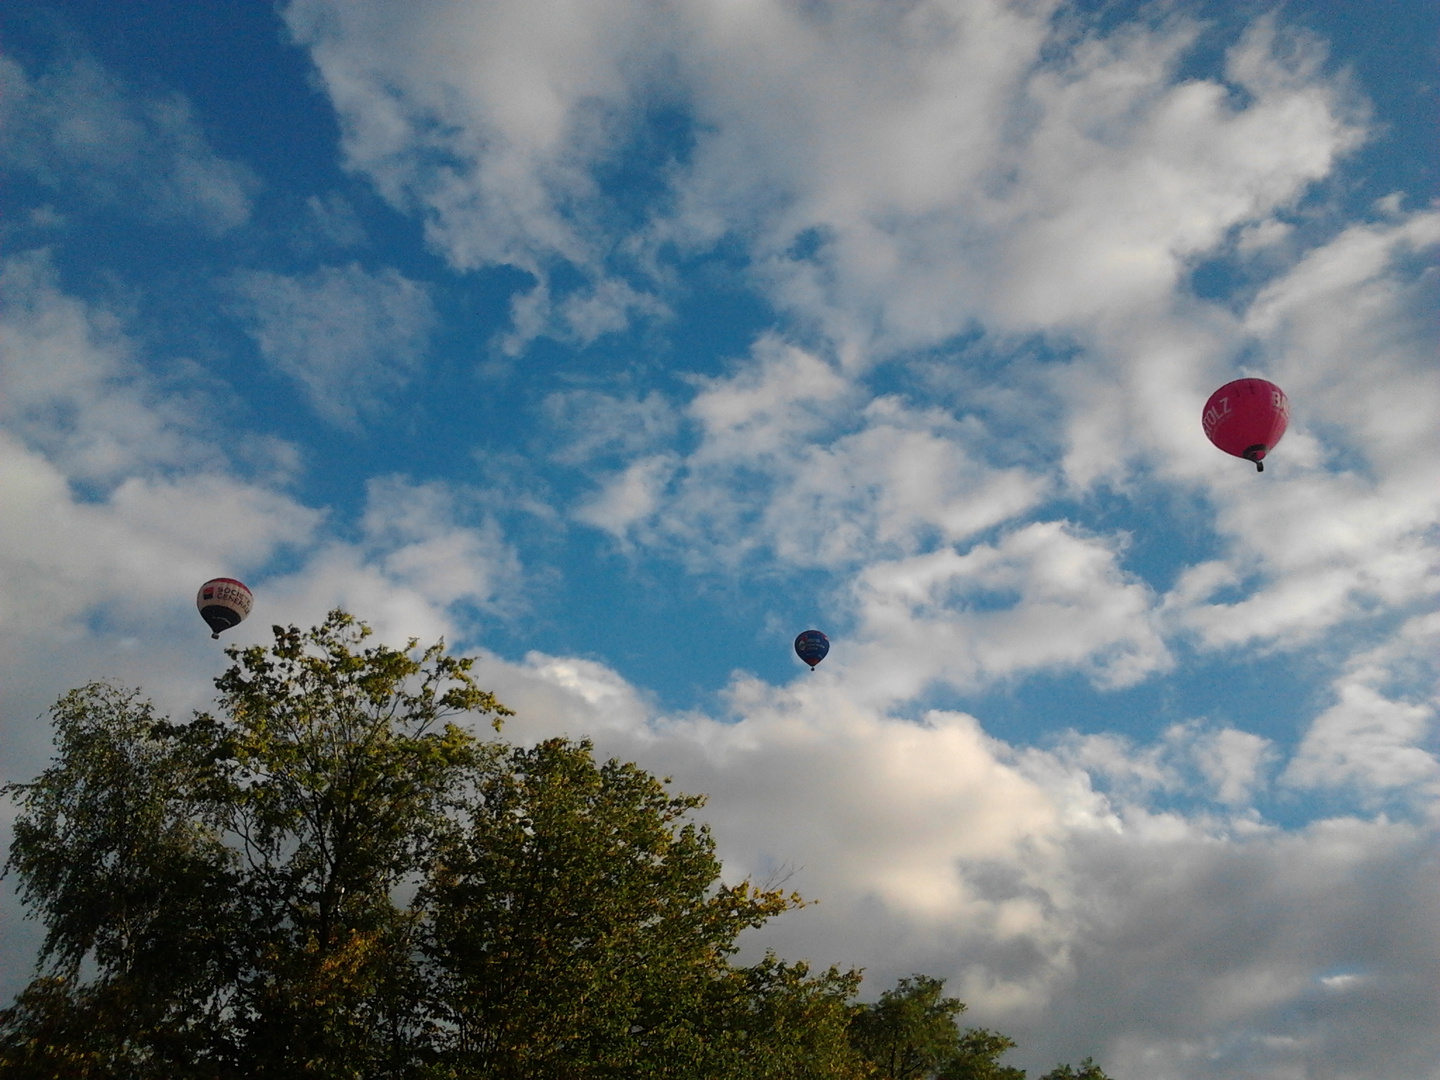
1212	945
896	177
794	463
894	173
1380	738
1350	525
100	454
347	336
117	500
76	126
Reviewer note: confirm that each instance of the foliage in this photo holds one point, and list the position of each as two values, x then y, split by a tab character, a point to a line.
114	857
911	1034
335	771
234	882
775	1021
1088	1071
573	925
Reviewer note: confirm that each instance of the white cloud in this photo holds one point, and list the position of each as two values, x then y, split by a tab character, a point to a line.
77	128
590	425
1199	947
1130	774
606	307
511	108
773	404
1344	521
334	222
1203	956
347	336
1234	762
1077	191
424	543
1379	739
1043	597
1369	739
1224	766
70	384
518	102
794	467
629	497
112	491
1126	175
947	171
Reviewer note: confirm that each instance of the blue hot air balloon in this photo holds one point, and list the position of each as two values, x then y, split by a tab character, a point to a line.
811	646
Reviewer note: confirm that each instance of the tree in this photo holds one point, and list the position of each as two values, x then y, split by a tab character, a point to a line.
911	1034
573	925
1088	1071
334	769
114	856
328	878
776	1021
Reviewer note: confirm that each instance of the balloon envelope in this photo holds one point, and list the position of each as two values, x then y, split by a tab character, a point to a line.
811	646
223	602
1246	418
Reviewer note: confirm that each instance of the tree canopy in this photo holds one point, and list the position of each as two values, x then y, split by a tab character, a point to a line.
331	877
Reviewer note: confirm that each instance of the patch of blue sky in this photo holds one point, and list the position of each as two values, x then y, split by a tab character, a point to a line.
633	181
1163	529
718	314
218	55
1392	47
657	624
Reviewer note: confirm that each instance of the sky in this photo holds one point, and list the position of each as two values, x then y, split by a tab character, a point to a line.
617	342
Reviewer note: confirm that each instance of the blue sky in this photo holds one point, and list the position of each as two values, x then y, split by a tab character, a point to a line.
620	341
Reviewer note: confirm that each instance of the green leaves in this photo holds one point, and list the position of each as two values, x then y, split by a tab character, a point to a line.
776	1020
113	854
336	769
572	918
109	844
1088	1071
237	879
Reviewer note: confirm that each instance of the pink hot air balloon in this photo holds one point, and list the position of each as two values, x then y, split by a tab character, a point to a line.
1246	418
223	602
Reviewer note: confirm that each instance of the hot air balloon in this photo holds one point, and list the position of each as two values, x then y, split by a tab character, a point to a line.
223	603
1246	418
811	646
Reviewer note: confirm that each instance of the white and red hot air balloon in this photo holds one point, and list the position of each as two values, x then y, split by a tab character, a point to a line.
223	602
